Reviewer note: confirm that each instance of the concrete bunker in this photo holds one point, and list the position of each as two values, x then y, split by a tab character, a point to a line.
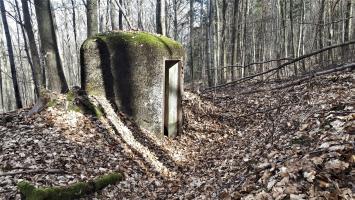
140	73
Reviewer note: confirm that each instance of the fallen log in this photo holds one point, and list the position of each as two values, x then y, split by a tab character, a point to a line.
74	191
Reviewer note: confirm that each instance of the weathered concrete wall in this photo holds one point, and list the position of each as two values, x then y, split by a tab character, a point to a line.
128	68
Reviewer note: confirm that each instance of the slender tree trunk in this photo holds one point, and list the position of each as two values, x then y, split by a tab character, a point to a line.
175	20
76	41
160	17
113	16
37	67
1	91
223	42
246	8
348	14
140	15
209	44
92	20
20	67
11	55
192	39
347	28
2	68
1	87
292	37
233	37
320	30
35	80
120	16
54	70
301	36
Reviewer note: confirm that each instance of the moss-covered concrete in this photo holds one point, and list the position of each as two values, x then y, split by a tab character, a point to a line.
129	69
77	190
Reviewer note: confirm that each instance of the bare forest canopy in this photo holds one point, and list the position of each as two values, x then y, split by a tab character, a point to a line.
228	41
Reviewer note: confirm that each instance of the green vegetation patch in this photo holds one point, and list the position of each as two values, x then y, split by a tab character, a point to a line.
74	191
52	103
82	104
139	38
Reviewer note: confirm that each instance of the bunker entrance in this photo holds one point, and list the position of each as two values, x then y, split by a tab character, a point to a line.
172	97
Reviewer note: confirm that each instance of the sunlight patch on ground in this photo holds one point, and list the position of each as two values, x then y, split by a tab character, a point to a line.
128	137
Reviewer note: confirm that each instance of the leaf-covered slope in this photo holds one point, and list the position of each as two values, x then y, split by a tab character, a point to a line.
296	142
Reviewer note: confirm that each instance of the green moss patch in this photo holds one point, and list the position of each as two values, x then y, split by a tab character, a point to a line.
81	103
74	191
139	38
52	103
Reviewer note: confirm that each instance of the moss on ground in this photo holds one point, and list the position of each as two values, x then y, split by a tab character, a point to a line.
70	96
52	103
83	105
74	191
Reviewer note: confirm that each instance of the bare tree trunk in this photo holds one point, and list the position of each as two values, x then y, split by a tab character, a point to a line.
20	67
54	69
347	28
301	37
246	8
11	56
192	39
209	44
2	64
348	14
140	15
35	80
223	42
160	17
320	30
1	86
233	37
76	41
113	15
175	20
292	37
120	16
92	21
37	67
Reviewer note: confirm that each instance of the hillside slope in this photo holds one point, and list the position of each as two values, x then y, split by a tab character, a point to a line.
296	142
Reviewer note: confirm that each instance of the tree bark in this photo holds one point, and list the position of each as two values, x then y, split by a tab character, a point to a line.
191	39
32	43
11	55
54	70
140	15
76	41
348	14
223	41
113	16
34	78
233	37
175	20
92	20
292	37
160	17
120	17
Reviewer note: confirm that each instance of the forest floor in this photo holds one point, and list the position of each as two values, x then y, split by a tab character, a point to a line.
295	142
